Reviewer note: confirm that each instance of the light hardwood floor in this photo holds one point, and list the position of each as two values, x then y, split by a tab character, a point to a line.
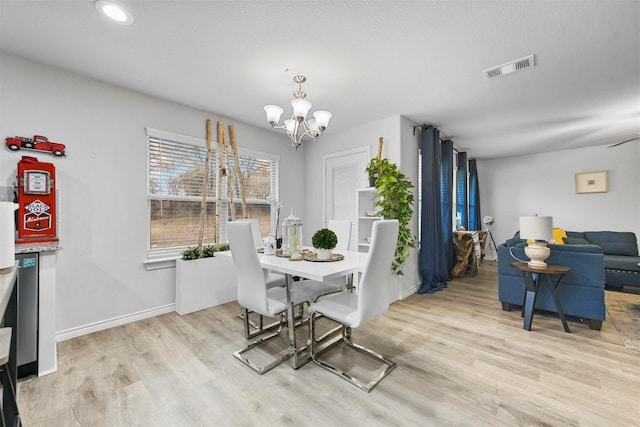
461	361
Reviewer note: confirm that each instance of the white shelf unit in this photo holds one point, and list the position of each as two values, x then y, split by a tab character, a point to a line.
366	199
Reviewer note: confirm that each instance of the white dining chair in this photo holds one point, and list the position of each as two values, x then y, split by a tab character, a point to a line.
273	280
254	295
342	228
351	310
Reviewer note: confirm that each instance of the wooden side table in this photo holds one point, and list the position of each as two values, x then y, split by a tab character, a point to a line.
464	246
531	279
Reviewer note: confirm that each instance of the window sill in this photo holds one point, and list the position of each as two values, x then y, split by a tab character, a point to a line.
157	261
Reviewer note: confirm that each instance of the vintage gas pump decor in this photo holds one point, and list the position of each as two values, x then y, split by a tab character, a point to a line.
37	201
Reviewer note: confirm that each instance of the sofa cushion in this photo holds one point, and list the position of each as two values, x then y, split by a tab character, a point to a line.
621	262
576	241
575	234
514	240
614	242
588	248
575	238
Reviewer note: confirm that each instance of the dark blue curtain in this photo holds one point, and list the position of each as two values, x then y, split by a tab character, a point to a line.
462	206
432	258
475	222
446	202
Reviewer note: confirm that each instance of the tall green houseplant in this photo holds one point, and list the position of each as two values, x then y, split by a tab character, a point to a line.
395	201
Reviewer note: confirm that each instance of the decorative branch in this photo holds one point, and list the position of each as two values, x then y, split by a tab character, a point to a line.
232	205
205	185
234	147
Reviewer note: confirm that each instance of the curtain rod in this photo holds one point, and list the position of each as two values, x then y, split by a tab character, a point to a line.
422	126
425	127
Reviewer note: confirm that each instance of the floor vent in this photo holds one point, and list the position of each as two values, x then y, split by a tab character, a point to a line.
509	67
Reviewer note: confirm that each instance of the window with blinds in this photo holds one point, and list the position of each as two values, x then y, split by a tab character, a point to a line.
176	178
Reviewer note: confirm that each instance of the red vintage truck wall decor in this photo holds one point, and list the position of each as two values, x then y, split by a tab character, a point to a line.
38	143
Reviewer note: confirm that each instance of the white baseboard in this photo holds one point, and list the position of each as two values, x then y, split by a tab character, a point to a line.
110	323
407	293
43	373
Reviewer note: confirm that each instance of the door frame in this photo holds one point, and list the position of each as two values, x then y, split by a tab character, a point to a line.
325	159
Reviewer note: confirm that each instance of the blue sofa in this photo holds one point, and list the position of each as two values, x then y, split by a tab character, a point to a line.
581	293
620	254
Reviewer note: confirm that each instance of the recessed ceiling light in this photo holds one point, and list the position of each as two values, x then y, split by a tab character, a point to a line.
114	12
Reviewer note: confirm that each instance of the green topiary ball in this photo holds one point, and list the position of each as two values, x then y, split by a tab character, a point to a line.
324	239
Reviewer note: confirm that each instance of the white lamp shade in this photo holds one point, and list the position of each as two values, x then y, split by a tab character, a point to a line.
322	118
300	107
290	125
273	113
536	228
313	125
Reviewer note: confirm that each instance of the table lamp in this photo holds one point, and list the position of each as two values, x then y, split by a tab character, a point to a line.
537	230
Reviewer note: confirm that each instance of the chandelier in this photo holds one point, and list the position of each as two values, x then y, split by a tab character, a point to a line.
298	126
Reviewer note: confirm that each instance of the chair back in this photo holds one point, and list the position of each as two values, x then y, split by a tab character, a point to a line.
342	228
373	294
255	230
252	288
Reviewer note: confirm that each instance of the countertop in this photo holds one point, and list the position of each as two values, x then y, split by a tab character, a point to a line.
22	248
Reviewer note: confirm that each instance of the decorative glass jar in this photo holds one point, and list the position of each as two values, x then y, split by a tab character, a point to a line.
270	245
292	236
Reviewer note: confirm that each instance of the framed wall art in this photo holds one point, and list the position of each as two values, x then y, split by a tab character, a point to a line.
592	182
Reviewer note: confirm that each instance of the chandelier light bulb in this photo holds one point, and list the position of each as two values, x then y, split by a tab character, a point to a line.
314	131
300	108
273	114
290	126
322	118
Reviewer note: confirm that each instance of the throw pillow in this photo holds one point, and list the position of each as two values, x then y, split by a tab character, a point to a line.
558	236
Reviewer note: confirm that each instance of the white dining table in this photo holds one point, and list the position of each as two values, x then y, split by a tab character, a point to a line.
352	264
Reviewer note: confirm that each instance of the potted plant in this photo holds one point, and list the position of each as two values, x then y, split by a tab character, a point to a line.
324	240
395	202
374	164
372	171
204	280
192	252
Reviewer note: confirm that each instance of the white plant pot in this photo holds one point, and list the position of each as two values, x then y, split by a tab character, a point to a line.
324	254
204	283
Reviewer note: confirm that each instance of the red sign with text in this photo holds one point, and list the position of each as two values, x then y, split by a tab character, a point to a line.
37	201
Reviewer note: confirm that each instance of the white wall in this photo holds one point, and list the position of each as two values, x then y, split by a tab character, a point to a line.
102	182
544	184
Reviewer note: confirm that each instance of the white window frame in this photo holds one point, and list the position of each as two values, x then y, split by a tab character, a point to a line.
165	258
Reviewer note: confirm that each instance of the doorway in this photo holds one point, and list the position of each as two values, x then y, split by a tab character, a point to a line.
344	173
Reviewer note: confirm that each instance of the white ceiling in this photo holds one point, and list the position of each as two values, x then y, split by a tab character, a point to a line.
365	60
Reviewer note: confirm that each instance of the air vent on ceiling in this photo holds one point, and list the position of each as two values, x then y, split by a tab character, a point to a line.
509	67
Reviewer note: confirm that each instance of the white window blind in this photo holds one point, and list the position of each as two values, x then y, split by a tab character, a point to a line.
176	175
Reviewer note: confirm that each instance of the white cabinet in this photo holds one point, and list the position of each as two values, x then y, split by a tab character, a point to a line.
365	203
